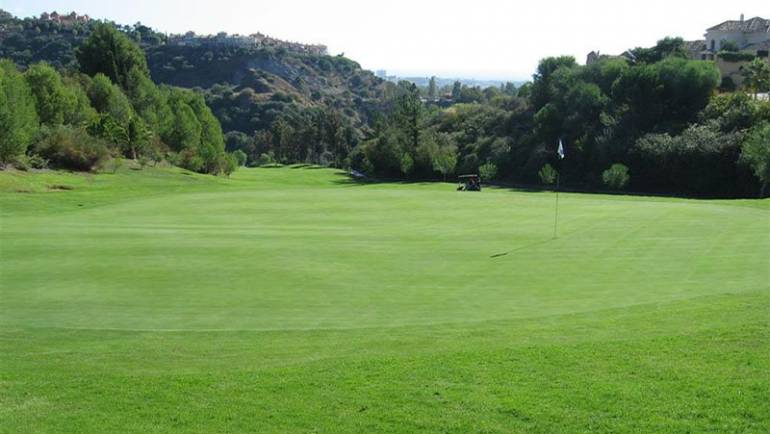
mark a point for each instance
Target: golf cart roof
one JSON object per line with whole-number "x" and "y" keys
{"x": 468, "y": 176}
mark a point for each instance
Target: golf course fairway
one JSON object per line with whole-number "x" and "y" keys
{"x": 296, "y": 300}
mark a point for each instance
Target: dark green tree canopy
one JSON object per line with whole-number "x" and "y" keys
{"x": 111, "y": 53}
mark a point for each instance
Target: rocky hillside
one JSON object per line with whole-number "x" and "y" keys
{"x": 249, "y": 87}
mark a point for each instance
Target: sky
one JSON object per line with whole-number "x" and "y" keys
{"x": 481, "y": 39}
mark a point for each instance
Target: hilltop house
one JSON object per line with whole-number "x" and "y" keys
{"x": 749, "y": 38}
{"x": 66, "y": 20}
{"x": 258, "y": 40}
{"x": 752, "y": 35}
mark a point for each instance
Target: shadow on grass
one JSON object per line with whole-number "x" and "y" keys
{"x": 348, "y": 179}
{"x": 351, "y": 180}
{"x": 522, "y": 247}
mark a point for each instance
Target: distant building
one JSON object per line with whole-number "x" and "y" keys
{"x": 695, "y": 49}
{"x": 239, "y": 41}
{"x": 381, "y": 73}
{"x": 66, "y": 20}
{"x": 595, "y": 56}
{"x": 747, "y": 35}
{"x": 750, "y": 36}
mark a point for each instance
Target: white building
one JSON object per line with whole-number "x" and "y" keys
{"x": 752, "y": 35}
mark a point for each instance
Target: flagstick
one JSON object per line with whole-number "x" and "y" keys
{"x": 556, "y": 214}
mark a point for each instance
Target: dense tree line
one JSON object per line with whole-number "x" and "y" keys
{"x": 111, "y": 107}
{"x": 657, "y": 124}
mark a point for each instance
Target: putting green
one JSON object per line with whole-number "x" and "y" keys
{"x": 159, "y": 272}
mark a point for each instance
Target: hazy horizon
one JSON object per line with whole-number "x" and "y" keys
{"x": 487, "y": 41}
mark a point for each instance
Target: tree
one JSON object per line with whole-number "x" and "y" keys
{"x": 666, "y": 95}
{"x": 108, "y": 99}
{"x": 509, "y": 88}
{"x": 616, "y": 177}
{"x": 148, "y": 101}
{"x": 756, "y": 76}
{"x": 185, "y": 131}
{"x": 445, "y": 160}
{"x": 407, "y": 116}
{"x": 212, "y": 141}
{"x": 457, "y": 89}
{"x": 755, "y": 152}
{"x": 18, "y": 119}
{"x": 52, "y": 100}
{"x": 407, "y": 164}
{"x": 111, "y": 53}
{"x": 432, "y": 89}
{"x": 666, "y": 47}
{"x": 541, "y": 91}
{"x": 139, "y": 136}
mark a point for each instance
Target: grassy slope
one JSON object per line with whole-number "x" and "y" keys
{"x": 292, "y": 300}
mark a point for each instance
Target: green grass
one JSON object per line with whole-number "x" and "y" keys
{"x": 292, "y": 300}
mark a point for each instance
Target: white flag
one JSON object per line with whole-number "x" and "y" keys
{"x": 560, "y": 151}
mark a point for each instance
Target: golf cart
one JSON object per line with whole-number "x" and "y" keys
{"x": 469, "y": 183}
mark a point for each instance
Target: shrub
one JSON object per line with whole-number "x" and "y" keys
{"x": 755, "y": 152}
{"x": 240, "y": 157}
{"x": 26, "y": 162}
{"x": 616, "y": 176}
{"x": 266, "y": 159}
{"x": 730, "y": 56}
{"x": 548, "y": 174}
{"x": 229, "y": 164}
{"x": 488, "y": 171}
{"x": 143, "y": 161}
{"x": 116, "y": 164}
{"x": 189, "y": 160}
{"x": 71, "y": 148}
{"x": 728, "y": 85}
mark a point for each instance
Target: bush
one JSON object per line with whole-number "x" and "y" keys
{"x": 226, "y": 164}
{"x": 488, "y": 171}
{"x": 727, "y": 85}
{"x": 266, "y": 159}
{"x": 548, "y": 174}
{"x": 755, "y": 152}
{"x": 730, "y": 56}
{"x": 26, "y": 162}
{"x": 240, "y": 157}
{"x": 616, "y": 177}
{"x": 72, "y": 148}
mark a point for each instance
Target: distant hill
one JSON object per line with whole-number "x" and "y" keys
{"x": 249, "y": 86}
{"x": 448, "y": 82}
